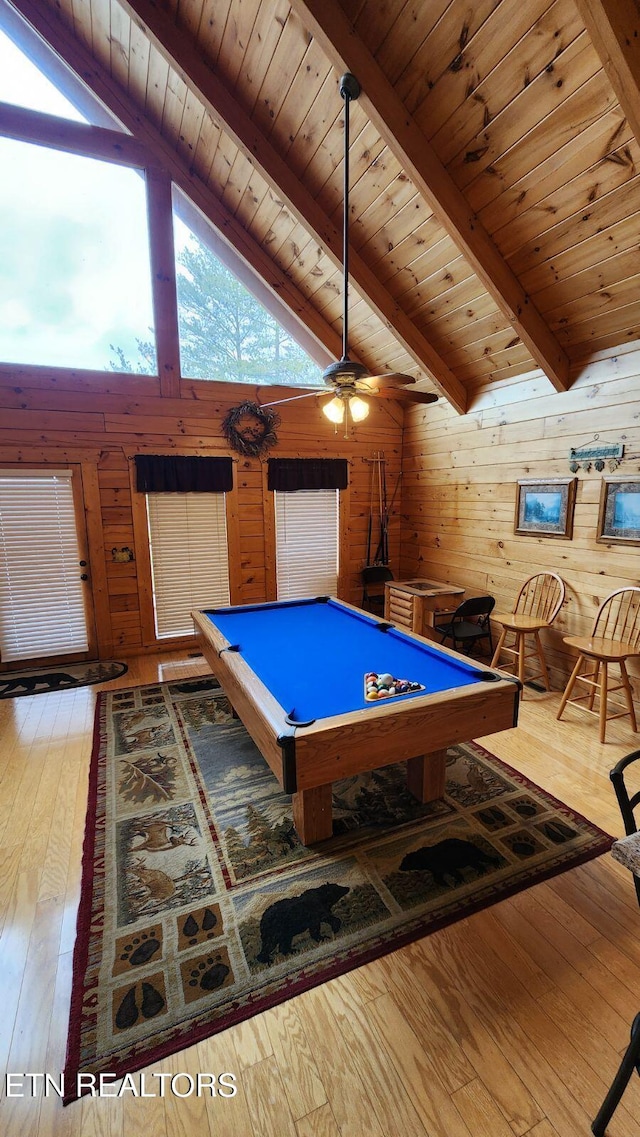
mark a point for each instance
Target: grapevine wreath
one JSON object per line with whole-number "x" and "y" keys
{"x": 250, "y": 429}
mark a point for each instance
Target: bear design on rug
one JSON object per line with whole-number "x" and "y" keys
{"x": 447, "y": 858}
{"x": 29, "y": 682}
{"x": 293, "y": 915}
{"x": 196, "y": 686}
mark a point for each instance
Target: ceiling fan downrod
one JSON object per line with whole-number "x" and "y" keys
{"x": 349, "y": 89}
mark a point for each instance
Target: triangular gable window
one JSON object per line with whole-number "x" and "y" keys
{"x": 24, "y": 85}
{"x": 226, "y": 333}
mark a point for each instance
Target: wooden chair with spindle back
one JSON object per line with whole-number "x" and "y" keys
{"x": 615, "y": 638}
{"x": 538, "y": 603}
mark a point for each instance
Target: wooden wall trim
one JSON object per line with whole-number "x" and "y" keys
{"x": 268, "y": 512}
{"x": 98, "y": 576}
{"x": 143, "y": 558}
{"x": 232, "y": 505}
{"x": 344, "y": 543}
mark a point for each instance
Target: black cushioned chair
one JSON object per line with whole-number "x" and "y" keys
{"x": 630, "y": 1062}
{"x": 373, "y": 580}
{"x": 470, "y": 622}
{"x": 631, "y": 1059}
{"x": 627, "y": 802}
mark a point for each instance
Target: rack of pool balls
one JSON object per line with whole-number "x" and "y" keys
{"x": 384, "y": 686}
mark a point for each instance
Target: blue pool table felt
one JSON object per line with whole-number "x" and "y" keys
{"x": 312, "y": 656}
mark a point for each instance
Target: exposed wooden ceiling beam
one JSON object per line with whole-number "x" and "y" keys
{"x": 614, "y": 29}
{"x": 236, "y": 247}
{"x": 329, "y": 25}
{"x": 179, "y": 51}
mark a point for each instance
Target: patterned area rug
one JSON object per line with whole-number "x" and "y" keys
{"x": 200, "y": 907}
{"x": 14, "y": 683}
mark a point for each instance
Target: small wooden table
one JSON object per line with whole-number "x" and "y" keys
{"x": 415, "y": 604}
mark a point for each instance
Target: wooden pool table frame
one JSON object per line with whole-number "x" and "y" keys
{"x": 306, "y": 760}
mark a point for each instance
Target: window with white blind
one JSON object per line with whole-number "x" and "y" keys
{"x": 306, "y": 543}
{"x": 189, "y": 557}
{"x": 42, "y": 611}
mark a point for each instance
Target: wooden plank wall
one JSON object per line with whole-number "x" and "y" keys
{"x": 459, "y": 490}
{"x": 102, "y": 421}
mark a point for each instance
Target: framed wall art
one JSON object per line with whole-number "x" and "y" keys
{"x": 619, "y": 519}
{"x": 545, "y": 508}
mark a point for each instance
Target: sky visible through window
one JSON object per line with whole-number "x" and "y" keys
{"x": 24, "y": 85}
{"x": 74, "y": 258}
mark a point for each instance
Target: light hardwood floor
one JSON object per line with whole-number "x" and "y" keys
{"x": 510, "y": 1022}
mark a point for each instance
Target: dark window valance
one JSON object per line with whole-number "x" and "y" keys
{"x": 160, "y": 473}
{"x": 308, "y": 474}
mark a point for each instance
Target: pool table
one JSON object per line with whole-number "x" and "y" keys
{"x": 294, "y": 672}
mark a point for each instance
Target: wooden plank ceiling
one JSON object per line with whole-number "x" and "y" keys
{"x": 495, "y": 193}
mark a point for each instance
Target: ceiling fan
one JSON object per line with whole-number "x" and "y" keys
{"x": 346, "y": 378}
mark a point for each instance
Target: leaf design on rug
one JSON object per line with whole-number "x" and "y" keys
{"x": 149, "y": 777}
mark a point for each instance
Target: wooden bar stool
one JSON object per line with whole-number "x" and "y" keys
{"x": 615, "y": 637}
{"x": 539, "y": 601}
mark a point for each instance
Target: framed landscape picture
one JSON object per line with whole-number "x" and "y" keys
{"x": 545, "y": 508}
{"x": 619, "y": 520}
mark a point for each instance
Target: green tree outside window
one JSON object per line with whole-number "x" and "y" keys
{"x": 225, "y": 333}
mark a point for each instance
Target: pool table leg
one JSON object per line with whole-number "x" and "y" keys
{"x": 426, "y": 775}
{"x": 312, "y": 814}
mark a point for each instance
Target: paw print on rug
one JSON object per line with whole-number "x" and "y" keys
{"x": 524, "y": 844}
{"x": 199, "y": 926}
{"x": 137, "y": 948}
{"x": 144, "y": 1000}
{"x": 526, "y": 807}
{"x": 203, "y": 974}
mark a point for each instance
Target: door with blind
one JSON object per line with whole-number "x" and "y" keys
{"x": 307, "y": 543}
{"x": 46, "y": 610}
{"x": 189, "y": 557}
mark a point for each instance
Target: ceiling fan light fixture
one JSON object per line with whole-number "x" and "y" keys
{"x": 334, "y": 410}
{"x": 358, "y": 409}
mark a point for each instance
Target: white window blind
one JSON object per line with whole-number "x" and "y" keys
{"x": 42, "y": 609}
{"x": 189, "y": 559}
{"x": 306, "y": 543}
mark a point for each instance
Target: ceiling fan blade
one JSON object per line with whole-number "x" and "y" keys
{"x": 390, "y": 379}
{"x": 415, "y": 396}
{"x": 399, "y": 393}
